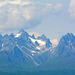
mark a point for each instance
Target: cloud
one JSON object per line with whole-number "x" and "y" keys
{"x": 17, "y": 14}
{"x": 58, "y": 7}
{"x": 15, "y": 2}
{"x": 36, "y": 34}
{"x": 72, "y": 8}
{"x": 2, "y": 3}
{"x": 54, "y": 41}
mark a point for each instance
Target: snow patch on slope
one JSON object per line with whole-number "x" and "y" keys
{"x": 33, "y": 51}
{"x": 2, "y": 45}
{"x": 39, "y": 41}
{"x": 39, "y": 48}
{"x": 17, "y": 35}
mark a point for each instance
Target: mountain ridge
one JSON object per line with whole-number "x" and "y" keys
{"x": 25, "y": 51}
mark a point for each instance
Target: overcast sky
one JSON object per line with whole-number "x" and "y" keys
{"x": 53, "y": 18}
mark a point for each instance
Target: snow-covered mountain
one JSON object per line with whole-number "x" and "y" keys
{"x": 22, "y": 48}
{"x": 24, "y": 51}
{"x": 41, "y": 43}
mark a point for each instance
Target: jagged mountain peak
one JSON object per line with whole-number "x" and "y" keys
{"x": 0, "y": 35}
{"x": 6, "y": 35}
{"x": 21, "y": 30}
{"x": 12, "y": 35}
{"x": 48, "y": 43}
{"x": 69, "y": 37}
{"x": 22, "y": 34}
{"x": 70, "y": 34}
{"x": 43, "y": 37}
{"x": 66, "y": 45}
{"x": 33, "y": 36}
{"x": 31, "y": 50}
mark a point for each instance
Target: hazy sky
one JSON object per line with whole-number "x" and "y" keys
{"x": 53, "y": 18}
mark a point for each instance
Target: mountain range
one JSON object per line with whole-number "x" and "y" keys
{"x": 22, "y": 51}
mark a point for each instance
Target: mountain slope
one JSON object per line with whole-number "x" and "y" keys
{"x": 20, "y": 50}
{"x": 66, "y": 45}
{"x": 63, "y": 55}
{"x": 23, "y": 51}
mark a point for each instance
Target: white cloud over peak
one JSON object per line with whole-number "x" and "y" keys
{"x": 19, "y": 14}
{"x": 15, "y": 2}
{"x": 72, "y": 8}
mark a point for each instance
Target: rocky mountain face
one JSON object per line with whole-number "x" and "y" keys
{"x": 23, "y": 51}
{"x": 62, "y": 56}
{"x": 66, "y": 45}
